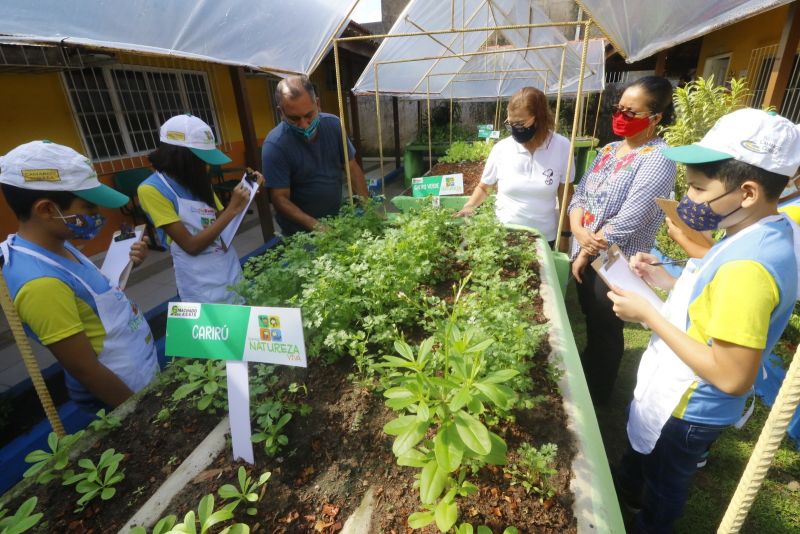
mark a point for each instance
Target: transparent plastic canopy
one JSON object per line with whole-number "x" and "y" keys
{"x": 281, "y": 37}
{"x": 640, "y": 28}
{"x": 477, "y": 64}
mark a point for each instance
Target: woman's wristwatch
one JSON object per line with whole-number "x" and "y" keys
{"x": 566, "y": 233}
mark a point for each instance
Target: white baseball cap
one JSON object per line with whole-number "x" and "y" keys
{"x": 194, "y": 134}
{"x": 47, "y": 166}
{"x": 762, "y": 139}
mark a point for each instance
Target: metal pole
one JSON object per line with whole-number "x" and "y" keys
{"x": 341, "y": 118}
{"x": 575, "y": 119}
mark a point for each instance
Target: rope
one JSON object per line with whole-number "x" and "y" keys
{"x": 28, "y": 358}
{"x": 768, "y": 442}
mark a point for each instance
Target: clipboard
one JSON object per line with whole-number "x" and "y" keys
{"x": 615, "y": 271}
{"x": 229, "y": 232}
{"x": 669, "y": 207}
{"x": 117, "y": 264}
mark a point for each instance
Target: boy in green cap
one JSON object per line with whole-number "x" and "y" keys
{"x": 99, "y": 337}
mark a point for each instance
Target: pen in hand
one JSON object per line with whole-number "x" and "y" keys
{"x": 669, "y": 262}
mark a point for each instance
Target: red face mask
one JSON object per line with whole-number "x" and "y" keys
{"x": 625, "y": 127}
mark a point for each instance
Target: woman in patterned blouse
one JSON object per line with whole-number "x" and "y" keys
{"x": 614, "y": 203}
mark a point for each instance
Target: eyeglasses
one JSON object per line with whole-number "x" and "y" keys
{"x": 628, "y": 113}
{"x": 510, "y": 125}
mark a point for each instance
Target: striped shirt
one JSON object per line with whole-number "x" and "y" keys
{"x": 618, "y": 195}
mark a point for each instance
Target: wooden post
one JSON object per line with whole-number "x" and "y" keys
{"x": 396, "y": 118}
{"x": 784, "y": 60}
{"x": 355, "y": 124}
{"x": 661, "y": 63}
{"x": 252, "y": 154}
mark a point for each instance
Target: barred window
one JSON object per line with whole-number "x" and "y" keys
{"x": 119, "y": 109}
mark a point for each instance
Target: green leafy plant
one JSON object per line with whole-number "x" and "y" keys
{"x": 97, "y": 479}
{"x": 162, "y": 526}
{"x": 534, "y": 468}
{"x": 22, "y": 520}
{"x": 447, "y": 391}
{"x": 105, "y": 421}
{"x": 465, "y": 151}
{"x": 271, "y": 433}
{"x": 46, "y": 465}
{"x": 205, "y": 380}
{"x": 248, "y": 491}
{"x": 206, "y": 518}
{"x": 466, "y": 528}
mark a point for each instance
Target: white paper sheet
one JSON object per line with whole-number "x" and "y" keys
{"x": 239, "y": 410}
{"x": 117, "y": 264}
{"x": 229, "y": 232}
{"x": 619, "y": 274}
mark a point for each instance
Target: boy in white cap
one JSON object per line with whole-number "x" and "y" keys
{"x": 98, "y": 336}
{"x": 723, "y": 316}
{"x": 179, "y": 200}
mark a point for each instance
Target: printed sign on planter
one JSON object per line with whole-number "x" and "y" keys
{"x": 237, "y": 334}
{"x": 230, "y": 332}
{"x": 485, "y": 130}
{"x": 448, "y": 184}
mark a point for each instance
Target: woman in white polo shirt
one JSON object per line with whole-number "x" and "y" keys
{"x": 529, "y": 168}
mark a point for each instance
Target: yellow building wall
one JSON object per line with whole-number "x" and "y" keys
{"x": 740, "y": 39}
{"x": 35, "y": 106}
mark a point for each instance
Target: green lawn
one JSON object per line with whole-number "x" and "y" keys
{"x": 777, "y": 506}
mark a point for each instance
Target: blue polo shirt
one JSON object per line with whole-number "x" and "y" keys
{"x": 312, "y": 170}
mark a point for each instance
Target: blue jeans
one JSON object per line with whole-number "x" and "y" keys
{"x": 662, "y": 477}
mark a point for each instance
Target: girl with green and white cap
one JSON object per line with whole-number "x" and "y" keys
{"x": 179, "y": 200}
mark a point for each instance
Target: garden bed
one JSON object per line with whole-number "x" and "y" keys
{"x": 472, "y": 171}
{"x": 329, "y": 422}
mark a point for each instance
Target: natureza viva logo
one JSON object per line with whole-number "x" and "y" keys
{"x": 270, "y": 338}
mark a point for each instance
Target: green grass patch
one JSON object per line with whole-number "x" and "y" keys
{"x": 777, "y": 506}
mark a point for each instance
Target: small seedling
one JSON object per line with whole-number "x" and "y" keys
{"x": 271, "y": 435}
{"x": 47, "y": 464}
{"x": 247, "y": 492}
{"x": 206, "y": 379}
{"x": 207, "y": 518}
{"x": 105, "y": 421}
{"x": 97, "y": 479}
{"x": 534, "y": 468}
{"x": 22, "y": 520}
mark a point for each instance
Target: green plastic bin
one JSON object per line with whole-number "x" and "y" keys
{"x": 414, "y": 158}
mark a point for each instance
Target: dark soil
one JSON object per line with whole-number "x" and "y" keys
{"x": 334, "y": 455}
{"x": 152, "y": 452}
{"x": 340, "y": 450}
{"x": 472, "y": 171}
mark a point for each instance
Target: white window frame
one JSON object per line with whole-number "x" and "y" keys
{"x": 119, "y": 110}
{"x": 707, "y": 66}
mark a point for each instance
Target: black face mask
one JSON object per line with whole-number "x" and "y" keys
{"x": 522, "y": 135}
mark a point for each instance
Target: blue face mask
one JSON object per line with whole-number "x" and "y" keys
{"x": 83, "y": 226}
{"x": 699, "y": 215}
{"x": 307, "y": 132}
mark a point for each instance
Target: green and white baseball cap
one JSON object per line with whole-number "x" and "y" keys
{"x": 194, "y": 134}
{"x": 762, "y": 139}
{"x": 46, "y": 166}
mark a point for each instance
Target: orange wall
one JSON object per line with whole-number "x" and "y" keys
{"x": 740, "y": 39}
{"x": 35, "y": 106}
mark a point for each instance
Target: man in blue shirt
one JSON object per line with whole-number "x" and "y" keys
{"x": 303, "y": 159}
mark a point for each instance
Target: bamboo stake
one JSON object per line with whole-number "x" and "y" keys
{"x": 767, "y": 445}
{"x": 575, "y": 119}
{"x": 380, "y": 132}
{"x": 337, "y": 66}
{"x": 29, "y": 359}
